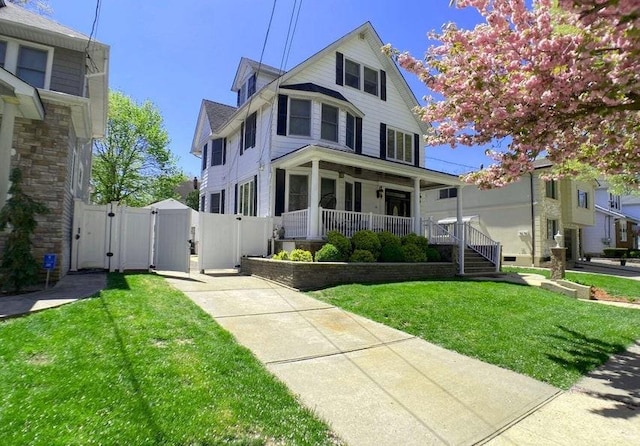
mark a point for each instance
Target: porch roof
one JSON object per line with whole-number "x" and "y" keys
{"x": 429, "y": 179}
{"x": 23, "y": 95}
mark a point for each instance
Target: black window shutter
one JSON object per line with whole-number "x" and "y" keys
{"x": 238, "y": 99}
{"x": 357, "y": 205}
{"x": 282, "y": 114}
{"x": 280, "y": 186}
{"x": 222, "y": 202}
{"x": 339, "y": 69}
{"x": 235, "y": 202}
{"x": 358, "y": 135}
{"x": 383, "y": 141}
{"x": 255, "y": 194}
{"x": 224, "y": 152}
{"x": 241, "y": 138}
{"x": 416, "y": 150}
{"x": 204, "y": 157}
{"x": 383, "y": 85}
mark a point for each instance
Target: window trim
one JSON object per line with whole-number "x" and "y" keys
{"x": 404, "y": 134}
{"x": 12, "y": 54}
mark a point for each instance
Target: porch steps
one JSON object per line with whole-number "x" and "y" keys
{"x": 475, "y": 264}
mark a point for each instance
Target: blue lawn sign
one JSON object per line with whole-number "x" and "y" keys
{"x": 49, "y": 261}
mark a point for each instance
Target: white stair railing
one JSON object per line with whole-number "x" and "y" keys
{"x": 483, "y": 245}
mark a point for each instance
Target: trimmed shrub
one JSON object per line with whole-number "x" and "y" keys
{"x": 433, "y": 255}
{"x": 392, "y": 253}
{"x": 418, "y": 240}
{"x": 328, "y": 253}
{"x": 341, "y": 242}
{"x": 615, "y": 253}
{"x": 282, "y": 255}
{"x": 368, "y": 241}
{"x": 413, "y": 253}
{"x": 300, "y": 255}
{"x": 388, "y": 239}
{"x": 362, "y": 255}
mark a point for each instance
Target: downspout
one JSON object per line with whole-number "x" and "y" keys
{"x": 533, "y": 226}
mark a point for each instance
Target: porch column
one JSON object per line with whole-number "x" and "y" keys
{"x": 313, "y": 226}
{"x": 6, "y": 143}
{"x": 417, "y": 215}
{"x": 460, "y": 232}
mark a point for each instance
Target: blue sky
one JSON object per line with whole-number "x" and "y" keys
{"x": 177, "y": 53}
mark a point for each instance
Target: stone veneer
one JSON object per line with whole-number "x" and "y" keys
{"x": 316, "y": 275}
{"x": 42, "y": 152}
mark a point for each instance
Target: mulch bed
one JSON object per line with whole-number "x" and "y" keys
{"x": 600, "y": 294}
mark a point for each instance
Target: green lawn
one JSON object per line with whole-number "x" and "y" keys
{"x": 541, "y": 334}
{"x": 140, "y": 365}
{"x": 615, "y": 286}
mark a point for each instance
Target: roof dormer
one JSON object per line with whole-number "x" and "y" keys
{"x": 250, "y": 77}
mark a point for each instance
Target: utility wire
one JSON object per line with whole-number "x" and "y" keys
{"x": 94, "y": 31}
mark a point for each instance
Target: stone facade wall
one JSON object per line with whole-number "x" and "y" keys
{"x": 42, "y": 153}
{"x": 310, "y": 276}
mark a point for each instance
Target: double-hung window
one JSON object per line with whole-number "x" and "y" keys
{"x": 300, "y": 117}
{"x": 329, "y": 129}
{"x": 551, "y": 189}
{"x": 216, "y": 203}
{"x": 217, "y": 151}
{"x": 399, "y": 146}
{"x": 250, "y": 128}
{"x": 32, "y": 66}
{"x": 352, "y": 74}
{"x": 371, "y": 81}
{"x": 298, "y": 192}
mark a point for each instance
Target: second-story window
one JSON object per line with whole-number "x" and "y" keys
{"x": 218, "y": 147}
{"x": 551, "y": 189}
{"x": 583, "y": 199}
{"x": 300, "y": 117}
{"x": 614, "y": 201}
{"x": 32, "y": 66}
{"x": 251, "y": 85}
{"x": 399, "y": 146}
{"x": 371, "y": 81}
{"x": 329, "y": 129}
{"x": 250, "y": 128}
{"x": 352, "y": 74}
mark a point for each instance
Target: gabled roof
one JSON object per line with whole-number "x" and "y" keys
{"x": 255, "y": 67}
{"x": 613, "y": 213}
{"x": 217, "y": 113}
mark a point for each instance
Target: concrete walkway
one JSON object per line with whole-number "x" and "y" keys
{"x": 373, "y": 384}
{"x": 69, "y": 289}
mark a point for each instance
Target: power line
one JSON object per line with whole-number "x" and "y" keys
{"x": 94, "y": 31}
{"x": 450, "y": 162}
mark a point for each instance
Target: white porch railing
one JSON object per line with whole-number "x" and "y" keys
{"x": 295, "y": 223}
{"x": 349, "y": 222}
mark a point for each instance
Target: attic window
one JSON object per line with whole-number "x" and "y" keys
{"x": 352, "y": 74}
{"x": 371, "y": 81}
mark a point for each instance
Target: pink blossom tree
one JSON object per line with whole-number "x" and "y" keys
{"x": 560, "y": 79}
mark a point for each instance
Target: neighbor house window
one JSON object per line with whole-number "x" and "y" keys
{"x": 371, "y": 81}
{"x": 551, "y": 189}
{"x": 298, "y": 192}
{"x": 250, "y": 128}
{"x": 3, "y": 52}
{"x": 300, "y": 117}
{"x": 352, "y": 74}
{"x": 583, "y": 199}
{"x": 399, "y": 146}
{"x": 450, "y": 192}
{"x": 623, "y": 231}
{"x": 215, "y": 203}
{"x": 32, "y": 66}
{"x": 552, "y": 228}
{"x": 329, "y": 129}
{"x": 246, "y": 198}
{"x": 614, "y": 201}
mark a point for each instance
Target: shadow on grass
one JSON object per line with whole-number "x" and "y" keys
{"x": 118, "y": 280}
{"x": 611, "y": 378}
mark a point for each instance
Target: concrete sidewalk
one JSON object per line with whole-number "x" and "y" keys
{"x": 70, "y": 288}
{"x": 371, "y": 383}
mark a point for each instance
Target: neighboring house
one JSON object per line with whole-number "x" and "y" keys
{"x": 615, "y": 226}
{"x": 53, "y": 103}
{"x": 523, "y": 216}
{"x": 332, "y": 143}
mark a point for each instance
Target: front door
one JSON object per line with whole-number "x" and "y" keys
{"x": 397, "y": 203}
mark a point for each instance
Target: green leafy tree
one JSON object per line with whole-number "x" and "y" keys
{"x": 133, "y": 165}
{"x": 193, "y": 200}
{"x": 19, "y": 268}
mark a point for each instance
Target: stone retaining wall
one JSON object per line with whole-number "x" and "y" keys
{"x": 313, "y": 276}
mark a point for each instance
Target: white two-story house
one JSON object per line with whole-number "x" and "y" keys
{"x": 332, "y": 143}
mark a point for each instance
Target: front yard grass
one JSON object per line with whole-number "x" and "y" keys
{"x": 541, "y": 334}
{"x": 615, "y": 286}
{"x": 140, "y": 365}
